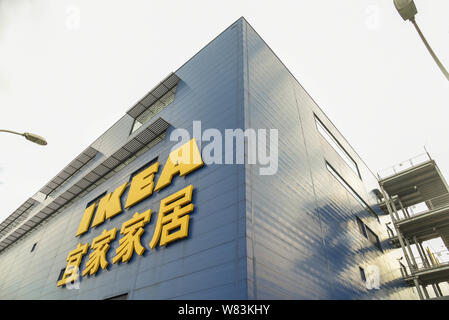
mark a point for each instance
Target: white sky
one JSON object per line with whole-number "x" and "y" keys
{"x": 70, "y": 69}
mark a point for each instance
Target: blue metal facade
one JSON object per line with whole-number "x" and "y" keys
{"x": 302, "y": 235}
{"x": 292, "y": 235}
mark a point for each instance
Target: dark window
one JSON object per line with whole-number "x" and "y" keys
{"x": 361, "y": 227}
{"x": 156, "y": 107}
{"x": 328, "y": 136}
{"x": 33, "y": 247}
{"x": 61, "y": 274}
{"x": 123, "y": 296}
{"x": 362, "y": 274}
{"x": 350, "y": 190}
{"x": 373, "y": 238}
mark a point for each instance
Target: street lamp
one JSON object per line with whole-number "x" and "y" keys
{"x": 407, "y": 10}
{"x": 29, "y": 136}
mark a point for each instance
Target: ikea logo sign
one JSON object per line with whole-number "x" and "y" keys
{"x": 172, "y": 220}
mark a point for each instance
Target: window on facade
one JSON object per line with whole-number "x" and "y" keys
{"x": 361, "y": 226}
{"x": 362, "y": 274}
{"x": 61, "y": 274}
{"x": 154, "y": 109}
{"x": 369, "y": 234}
{"x": 373, "y": 238}
{"x": 119, "y": 297}
{"x": 325, "y": 133}
{"x": 350, "y": 190}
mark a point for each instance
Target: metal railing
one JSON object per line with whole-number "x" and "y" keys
{"x": 426, "y": 207}
{"x": 390, "y": 232}
{"x": 404, "y": 165}
{"x": 403, "y": 269}
{"x": 432, "y": 261}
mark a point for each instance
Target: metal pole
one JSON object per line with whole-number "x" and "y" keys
{"x": 394, "y": 208}
{"x": 404, "y": 274}
{"x": 387, "y": 203}
{"x": 430, "y": 158}
{"x": 390, "y": 232}
{"x": 411, "y": 253}
{"x": 421, "y": 254}
{"x": 434, "y": 286}
{"x": 407, "y": 212}
{"x": 13, "y": 132}
{"x": 424, "y": 253}
{"x": 404, "y": 212}
{"x": 401, "y": 241}
{"x": 425, "y": 292}
{"x": 415, "y": 281}
{"x": 439, "y": 289}
{"x": 434, "y": 56}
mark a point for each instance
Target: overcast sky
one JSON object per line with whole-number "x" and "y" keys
{"x": 70, "y": 69}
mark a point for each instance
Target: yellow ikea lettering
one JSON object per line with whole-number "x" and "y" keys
{"x": 183, "y": 160}
{"x": 141, "y": 185}
{"x": 172, "y": 223}
{"x": 85, "y": 221}
{"x": 109, "y": 205}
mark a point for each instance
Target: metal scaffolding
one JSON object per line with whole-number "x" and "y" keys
{"x": 417, "y": 183}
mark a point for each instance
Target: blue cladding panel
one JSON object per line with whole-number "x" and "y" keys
{"x": 289, "y": 235}
{"x": 302, "y": 234}
{"x": 211, "y": 262}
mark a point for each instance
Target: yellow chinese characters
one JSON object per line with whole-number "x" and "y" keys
{"x": 100, "y": 247}
{"x": 172, "y": 222}
{"x": 71, "y": 273}
{"x": 173, "y": 216}
{"x": 130, "y": 242}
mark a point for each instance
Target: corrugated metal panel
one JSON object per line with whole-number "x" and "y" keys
{"x": 19, "y": 213}
{"x": 69, "y": 170}
{"x": 158, "y": 91}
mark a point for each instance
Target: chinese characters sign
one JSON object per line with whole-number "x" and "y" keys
{"x": 172, "y": 218}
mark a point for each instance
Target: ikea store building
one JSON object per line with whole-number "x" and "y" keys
{"x": 130, "y": 219}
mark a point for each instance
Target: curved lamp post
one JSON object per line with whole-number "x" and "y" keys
{"x": 407, "y": 10}
{"x": 29, "y": 136}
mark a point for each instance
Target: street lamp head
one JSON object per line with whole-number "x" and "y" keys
{"x": 406, "y": 9}
{"x": 35, "y": 138}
